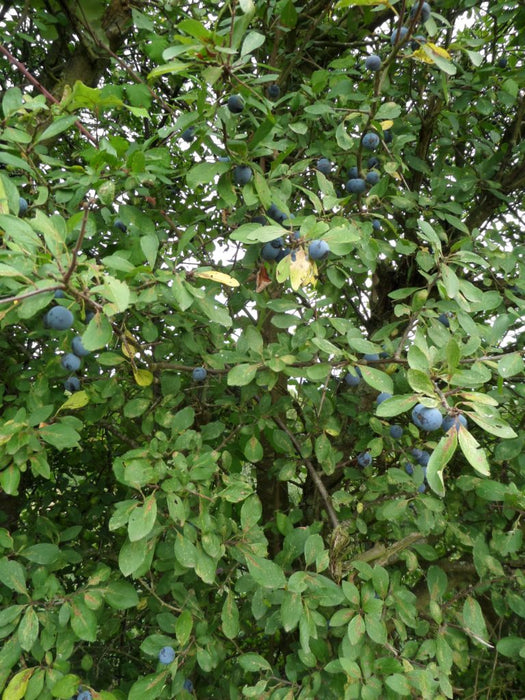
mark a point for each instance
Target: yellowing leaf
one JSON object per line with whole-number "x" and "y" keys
{"x": 18, "y": 685}
{"x": 217, "y": 276}
{"x": 4, "y": 206}
{"x": 282, "y": 271}
{"x": 349, "y": 3}
{"x": 143, "y": 377}
{"x": 76, "y": 400}
{"x": 430, "y": 53}
{"x": 129, "y": 345}
{"x": 387, "y": 124}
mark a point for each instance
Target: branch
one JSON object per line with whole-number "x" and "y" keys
{"x": 313, "y": 473}
{"x": 31, "y": 78}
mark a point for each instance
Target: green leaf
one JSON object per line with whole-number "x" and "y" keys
{"x": 204, "y": 173}
{"x": 57, "y": 127}
{"x": 511, "y": 647}
{"x": 453, "y": 355}
{"x": 117, "y": 293}
{"x": 510, "y": 365}
{"x": 388, "y": 110}
{"x": 121, "y": 595}
{"x": 20, "y": 234}
{"x": 251, "y": 42}
{"x": 43, "y": 553}
{"x": 494, "y": 425}
{"x": 183, "y": 627}
{"x": 265, "y": 572}
{"x": 473, "y": 620}
{"x": 242, "y": 374}
{"x": 420, "y": 381}
{"x": 427, "y": 233}
{"x": 326, "y": 346}
{"x": 253, "y": 662}
{"x": 376, "y": 629}
{"x": 77, "y": 400}
{"x": 11, "y": 100}
{"x": 60, "y": 435}
{"x": 476, "y": 58}
{"x": 150, "y": 247}
{"x": 12, "y": 575}
{"x": 344, "y": 140}
{"x": 230, "y": 617}
{"x": 251, "y": 512}
{"x": 291, "y": 610}
{"x": 474, "y": 454}
{"x": 257, "y": 233}
{"x": 10, "y": 480}
{"x": 356, "y": 629}
{"x": 8, "y": 615}
{"x": 236, "y": 491}
{"x": 399, "y": 684}
{"x": 319, "y": 372}
{"x": 341, "y": 617}
{"x": 148, "y": 687}
{"x": 396, "y": 405}
{"x": 450, "y": 281}
{"x": 492, "y": 490}
{"x": 313, "y": 548}
{"x": 53, "y": 229}
{"x": 417, "y": 359}
{"x": 142, "y": 519}
{"x": 377, "y": 379}
{"x": 28, "y": 629}
{"x": 437, "y": 582}
{"x": 83, "y": 620}
{"x": 183, "y": 419}
{"x": 380, "y": 580}
{"x": 194, "y": 28}
{"x": 167, "y": 69}
{"x": 98, "y": 333}
{"x": 66, "y": 686}
{"x": 253, "y": 450}
{"x": 131, "y": 556}
{"x": 440, "y": 457}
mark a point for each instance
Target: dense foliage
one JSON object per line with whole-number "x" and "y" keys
{"x": 261, "y": 346}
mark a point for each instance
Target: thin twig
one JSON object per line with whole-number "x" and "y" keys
{"x": 78, "y": 244}
{"x": 26, "y": 295}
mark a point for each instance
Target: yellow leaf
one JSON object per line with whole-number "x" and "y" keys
{"x": 143, "y": 377}
{"x": 428, "y": 51}
{"x": 217, "y": 276}
{"x": 439, "y": 50}
{"x": 129, "y": 345}
{"x": 303, "y": 271}
{"x": 420, "y": 55}
{"x": 76, "y": 400}
{"x": 387, "y": 124}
